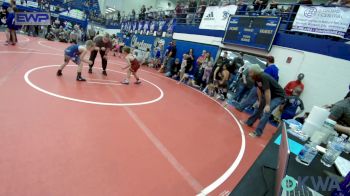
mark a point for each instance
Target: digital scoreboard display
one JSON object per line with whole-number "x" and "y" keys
{"x": 251, "y": 31}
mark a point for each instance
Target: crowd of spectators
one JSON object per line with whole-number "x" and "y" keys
{"x": 248, "y": 87}
{"x": 192, "y": 11}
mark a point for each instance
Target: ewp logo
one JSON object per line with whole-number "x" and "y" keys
{"x": 318, "y": 183}
{"x": 33, "y": 18}
{"x": 310, "y": 12}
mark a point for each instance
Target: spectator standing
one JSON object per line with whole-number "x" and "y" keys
{"x": 289, "y": 88}
{"x": 270, "y": 9}
{"x": 179, "y": 13}
{"x": 242, "y": 7}
{"x": 171, "y": 56}
{"x": 200, "y": 66}
{"x": 11, "y": 37}
{"x": 201, "y": 58}
{"x": 142, "y": 13}
{"x": 208, "y": 68}
{"x": 201, "y": 10}
{"x": 222, "y": 78}
{"x": 272, "y": 68}
{"x": 191, "y": 11}
{"x": 270, "y": 96}
{"x": 133, "y": 15}
{"x": 233, "y": 67}
{"x": 259, "y": 5}
{"x": 246, "y": 83}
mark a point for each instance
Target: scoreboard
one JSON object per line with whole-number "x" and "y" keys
{"x": 251, "y": 31}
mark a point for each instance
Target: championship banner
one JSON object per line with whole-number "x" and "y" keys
{"x": 319, "y": 20}
{"x": 216, "y": 17}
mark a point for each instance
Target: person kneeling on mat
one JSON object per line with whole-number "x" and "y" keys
{"x": 76, "y": 53}
{"x": 133, "y": 66}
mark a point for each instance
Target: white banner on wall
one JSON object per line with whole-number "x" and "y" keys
{"x": 332, "y": 21}
{"x": 216, "y": 17}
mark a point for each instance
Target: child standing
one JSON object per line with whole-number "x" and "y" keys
{"x": 183, "y": 65}
{"x": 208, "y": 68}
{"x": 76, "y": 53}
{"x": 133, "y": 66}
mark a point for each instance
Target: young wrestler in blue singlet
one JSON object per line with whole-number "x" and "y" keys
{"x": 76, "y": 53}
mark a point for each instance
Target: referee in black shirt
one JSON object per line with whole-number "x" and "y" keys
{"x": 103, "y": 45}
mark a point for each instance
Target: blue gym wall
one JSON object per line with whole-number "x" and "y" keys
{"x": 307, "y": 43}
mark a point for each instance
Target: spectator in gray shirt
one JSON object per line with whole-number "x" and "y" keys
{"x": 340, "y": 112}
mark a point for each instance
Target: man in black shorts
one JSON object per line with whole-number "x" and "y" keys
{"x": 103, "y": 45}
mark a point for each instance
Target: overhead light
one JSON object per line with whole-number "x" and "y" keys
{"x": 111, "y": 9}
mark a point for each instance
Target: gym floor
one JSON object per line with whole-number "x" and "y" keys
{"x": 63, "y": 137}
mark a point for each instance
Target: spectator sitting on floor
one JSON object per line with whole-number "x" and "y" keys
{"x": 175, "y": 70}
{"x": 289, "y": 88}
{"x": 272, "y": 68}
{"x": 340, "y": 112}
{"x": 270, "y": 96}
{"x": 290, "y": 108}
{"x": 187, "y": 68}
